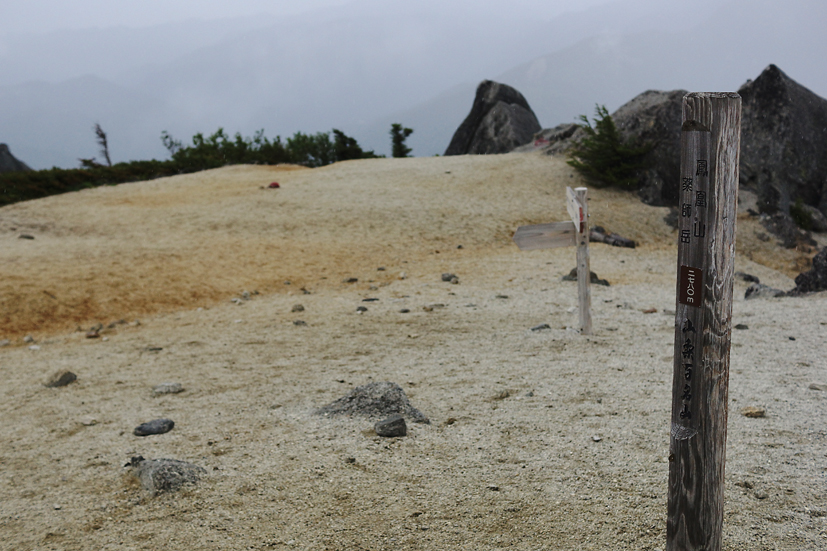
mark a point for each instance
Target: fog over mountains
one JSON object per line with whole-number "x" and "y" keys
{"x": 362, "y": 65}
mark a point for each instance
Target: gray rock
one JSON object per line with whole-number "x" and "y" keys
{"x": 818, "y": 386}
{"x": 167, "y": 388}
{"x": 61, "y": 378}
{"x": 500, "y": 120}
{"x": 165, "y": 475}
{"x": 393, "y": 426}
{"x": 572, "y": 276}
{"x": 749, "y": 278}
{"x": 8, "y": 163}
{"x": 759, "y": 290}
{"x": 448, "y": 277}
{"x": 361, "y": 309}
{"x": 783, "y": 140}
{"x": 541, "y": 327}
{"x": 374, "y": 400}
{"x": 742, "y": 326}
{"x": 156, "y": 426}
{"x": 300, "y": 323}
{"x": 28, "y": 339}
{"x": 817, "y": 219}
{"x": 551, "y": 140}
{"x": 815, "y": 279}
{"x": 4, "y": 342}
{"x": 784, "y": 228}
{"x": 297, "y": 308}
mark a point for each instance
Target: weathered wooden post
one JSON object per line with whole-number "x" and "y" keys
{"x": 710, "y": 141}
{"x": 580, "y": 208}
{"x": 567, "y": 234}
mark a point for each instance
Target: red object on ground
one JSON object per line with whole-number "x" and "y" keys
{"x": 274, "y": 185}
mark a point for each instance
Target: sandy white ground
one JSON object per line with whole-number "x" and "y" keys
{"x": 510, "y": 459}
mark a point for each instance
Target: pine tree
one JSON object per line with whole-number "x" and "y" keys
{"x": 603, "y": 158}
{"x": 398, "y": 137}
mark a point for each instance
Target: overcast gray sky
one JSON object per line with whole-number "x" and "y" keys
{"x": 49, "y": 15}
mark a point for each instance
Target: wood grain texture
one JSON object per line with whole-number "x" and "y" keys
{"x": 545, "y": 236}
{"x": 583, "y": 264}
{"x": 710, "y": 144}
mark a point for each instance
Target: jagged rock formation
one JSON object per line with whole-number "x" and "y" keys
{"x": 500, "y": 120}
{"x": 8, "y": 163}
{"x": 783, "y": 142}
{"x": 815, "y": 279}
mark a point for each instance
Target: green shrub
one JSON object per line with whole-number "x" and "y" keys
{"x": 398, "y": 137}
{"x": 213, "y": 151}
{"x": 802, "y": 218}
{"x": 603, "y": 158}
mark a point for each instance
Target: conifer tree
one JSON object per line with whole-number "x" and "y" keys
{"x": 603, "y": 158}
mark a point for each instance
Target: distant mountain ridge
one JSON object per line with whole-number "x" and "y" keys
{"x": 355, "y": 71}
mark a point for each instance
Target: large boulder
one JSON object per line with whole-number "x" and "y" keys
{"x": 655, "y": 117}
{"x": 783, "y": 142}
{"x": 500, "y": 120}
{"x": 815, "y": 279}
{"x": 8, "y": 163}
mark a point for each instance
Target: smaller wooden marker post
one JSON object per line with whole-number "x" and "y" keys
{"x": 567, "y": 234}
{"x": 710, "y": 141}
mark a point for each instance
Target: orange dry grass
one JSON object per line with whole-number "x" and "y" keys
{"x": 136, "y": 249}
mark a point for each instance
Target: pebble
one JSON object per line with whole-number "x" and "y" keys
{"x": 541, "y": 327}
{"x": 351, "y": 280}
{"x": 28, "y": 339}
{"x": 596, "y": 438}
{"x": 493, "y": 487}
{"x": 501, "y": 296}
{"x": 4, "y": 342}
{"x": 25, "y": 236}
{"x": 361, "y": 309}
{"x": 761, "y": 495}
{"x": 753, "y": 411}
{"x": 404, "y": 311}
{"x": 742, "y": 326}
{"x": 650, "y": 311}
{"x": 92, "y": 335}
{"x": 449, "y": 278}
{"x": 61, "y": 378}
{"x": 818, "y": 386}
{"x": 34, "y": 347}
{"x": 156, "y": 426}
{"x": 297, "y": 308}
{"x": 299, "y": 323}
{"x": 403, "y": 275}
{"x": 370, "y": 299}
{"x": 393, "y": 426}
{"x": 380, "y": 269}
{"x": 88, "y": 421}
{"x": 167, "y": 388}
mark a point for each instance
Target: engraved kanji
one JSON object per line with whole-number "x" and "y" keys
{"x": 688, "y": 349}
{"x": 685, "y": 236}
{"x": 686, "y": 184}
{"x": 686, "y": 210}
{"x": 688, "y": 327}
{"x": 700, "y": 198}
{"x": 687, "y": 393}
{"x": 702, "y": 168}
{"x": 686, "y": 414}
{"x": 700, "y": 229}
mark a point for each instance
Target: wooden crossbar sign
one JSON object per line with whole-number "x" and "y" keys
{"x": 566, "y": 234}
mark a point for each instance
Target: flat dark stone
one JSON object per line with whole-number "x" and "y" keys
{"x": 541, "y": 327}
{"x": 742, "y": 326}
{"x": 156, "y": 426}
{"x": 392, "y": 426}
{"x": 61, "y": 378}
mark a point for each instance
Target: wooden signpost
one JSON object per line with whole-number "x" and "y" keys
{"x": 566, "y": 234}
{"x": 710, "y": 140}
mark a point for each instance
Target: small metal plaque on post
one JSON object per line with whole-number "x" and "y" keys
{"x": 691, "y": 286}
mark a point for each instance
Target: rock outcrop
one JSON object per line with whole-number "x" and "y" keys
{"x": 8, "y": 163}
{"x": 783, "y": 142}
{"x": 815, "y": 279}
{"x": 500, "y": 120}
{"x": 655, "y": 117}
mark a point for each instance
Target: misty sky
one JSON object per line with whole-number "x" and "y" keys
{"x": 49, "y": 15}
{"x": 140, "y": 67}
